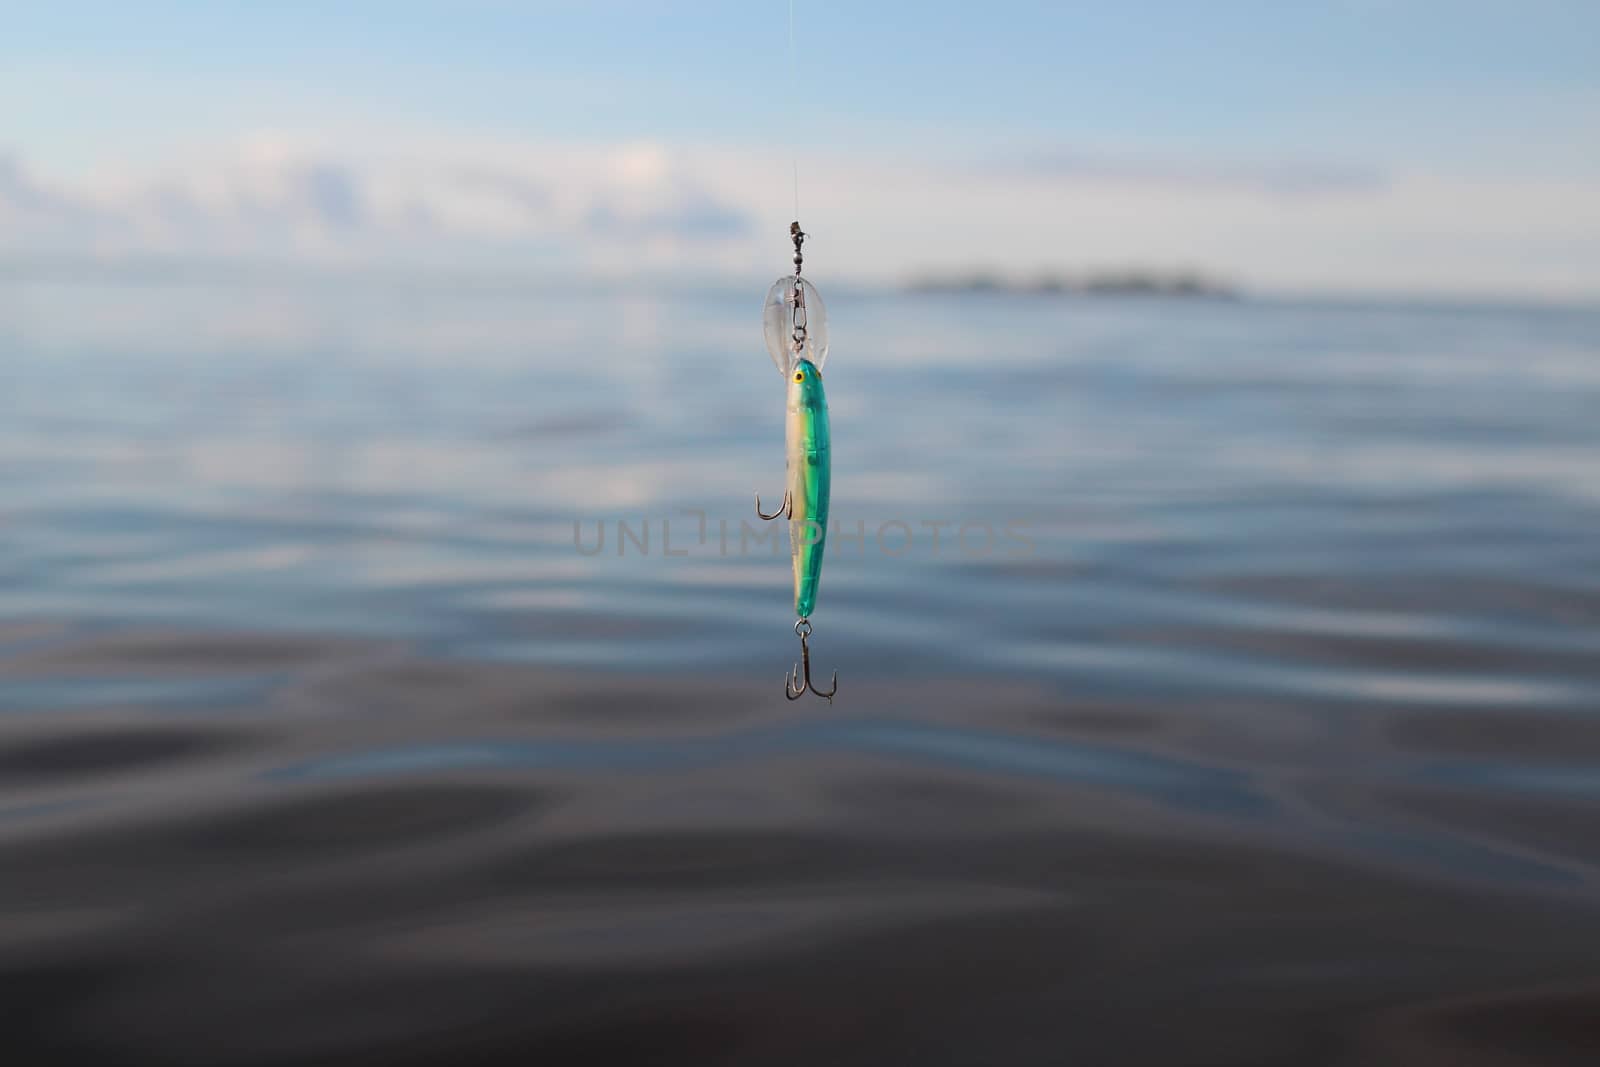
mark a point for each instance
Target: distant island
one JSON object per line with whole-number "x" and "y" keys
{"x": 1093, "y": 283}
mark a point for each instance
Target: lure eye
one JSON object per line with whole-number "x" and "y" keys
{"x": 800, "y": 376}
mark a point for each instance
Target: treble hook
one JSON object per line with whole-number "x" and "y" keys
{"x": 793, "y": 686}
{"x": 782, "y": 508}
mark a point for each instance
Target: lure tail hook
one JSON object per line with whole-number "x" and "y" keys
{"x": 795, "y": 685}
{"x": 785, "y": 508}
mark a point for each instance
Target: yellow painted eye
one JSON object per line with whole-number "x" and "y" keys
{"x": 800, "y": 376}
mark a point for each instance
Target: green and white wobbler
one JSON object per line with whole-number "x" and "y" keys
{"x": 796, "y": 327}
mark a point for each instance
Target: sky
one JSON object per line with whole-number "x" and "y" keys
{"x": 1364, "y": 146}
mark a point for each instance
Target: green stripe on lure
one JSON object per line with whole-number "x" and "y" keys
{"x": 796, "y": 329}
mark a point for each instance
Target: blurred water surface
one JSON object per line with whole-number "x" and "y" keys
{"x": 1269, "y": 733}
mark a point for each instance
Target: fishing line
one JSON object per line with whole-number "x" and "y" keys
{"x": 794, "y": 95}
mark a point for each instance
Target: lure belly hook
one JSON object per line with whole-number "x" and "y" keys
{"x": 795, "y": 685}
{"x": 796, "y": 330}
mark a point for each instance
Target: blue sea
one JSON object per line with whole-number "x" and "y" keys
{"x": 391, "y": 671}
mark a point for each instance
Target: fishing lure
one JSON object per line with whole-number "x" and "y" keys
{"x": 796, "y": 328}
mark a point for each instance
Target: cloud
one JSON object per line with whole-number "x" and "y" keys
{"x": 330, "y": 194}
{"x": 22, "y": 196}
{"x": 721, "y": 211}
{"x": 1281, "y": 178}
{"x": 694, "y": 215}
{"x": 274, "y": 196}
